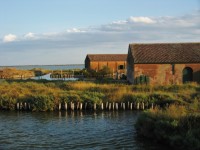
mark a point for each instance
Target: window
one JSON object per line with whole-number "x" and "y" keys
{"x": 120, "y": 67}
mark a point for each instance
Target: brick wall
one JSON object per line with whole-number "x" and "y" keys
{"x": 113, "y": 65}
{"x": 162, "y": 73}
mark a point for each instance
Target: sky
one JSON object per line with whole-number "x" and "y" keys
{"x": 45, "y": 32}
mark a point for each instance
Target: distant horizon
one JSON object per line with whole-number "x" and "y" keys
{"x": 44, "y": 65}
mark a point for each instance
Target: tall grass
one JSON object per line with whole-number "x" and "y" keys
{"x": 19, "y": 91}
{"x": 175, "y": 126}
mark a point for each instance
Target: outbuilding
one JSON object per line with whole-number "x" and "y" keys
{"x": 163, "y": 63}
{"x": 116, "y": 62}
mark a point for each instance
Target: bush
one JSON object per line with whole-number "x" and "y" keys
{"x": 7, "y": 103}
{"x": 132, "y": 97}
{"x": 42, "y": 102}
{"x": 174, "y": 126}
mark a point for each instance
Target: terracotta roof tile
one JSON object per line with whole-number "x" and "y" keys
{"x": 107, "y": 57}
{"x": 166, "y": 53}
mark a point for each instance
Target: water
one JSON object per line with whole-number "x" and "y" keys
{"x": 47, "y": 67}
{"x": 47, "y": 77}
{"x": 70, "y": 130}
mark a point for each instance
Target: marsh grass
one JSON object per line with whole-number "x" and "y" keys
{"x": 80, "y": 91}
{"x": 176, "y": 126}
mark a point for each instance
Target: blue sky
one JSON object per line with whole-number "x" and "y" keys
{"x": 64, "y": 31}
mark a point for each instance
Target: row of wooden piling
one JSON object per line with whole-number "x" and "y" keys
{"x": 61, "y": 76}
{"x": 23, "y": 106}
{"x": 94, "y": 106}
{"x": 106, "y": 106}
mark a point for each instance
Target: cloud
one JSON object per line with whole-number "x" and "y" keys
{"x": 75, "y": 30}
{"x": 29, "y": 35}
{"x": 146, "y": 20}
{"x": 120, "y": 22}
{"x": 72, "y": 45}
{"x": 9, "y": 38}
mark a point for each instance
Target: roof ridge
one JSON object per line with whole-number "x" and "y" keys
{"x": 106, "y": 54}
{"x": 107, "y": 57}
{"x": 157, "y": 43}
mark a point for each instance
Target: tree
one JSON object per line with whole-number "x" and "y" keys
{"x": 104, "y": 71}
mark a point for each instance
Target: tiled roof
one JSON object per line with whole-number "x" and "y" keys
{"x": 166, "y": 53}
{"x": 107, "y": 57}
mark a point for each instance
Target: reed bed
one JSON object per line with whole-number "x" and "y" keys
{"x": 53, "y": 92}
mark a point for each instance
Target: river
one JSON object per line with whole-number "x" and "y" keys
{"x": 71, "y": 130}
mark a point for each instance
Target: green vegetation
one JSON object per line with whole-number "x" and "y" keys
{"x": 176, "y": 125}
{"x": 103, "y": 73}
{"x": 40, "y": 71}
{"x": 46, "y": 95}
{"x": 13, "y": 73}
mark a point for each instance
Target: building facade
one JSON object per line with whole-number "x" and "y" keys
{"x": 163, "y": 63}
{"x": 116, "y": 62}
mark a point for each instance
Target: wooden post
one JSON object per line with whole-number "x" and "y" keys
{"x": 101, "y": 106}
{"x": 121, "y": 105}
{"x": 124, "y": 106}
{"x": 17, "y": 106}
{"x": 109, "y": 106}
{"x": 131, "y": 106}
{"x": 65, "y": 106}
{"x": 72, "y": 106}
{"x": 95, "y": 106}
{"x": 20, "y": 106}
{"x": 113, "y": 106}
{"x": 152, "y": 106}
{"x": 25, "y": 106}
{"x": 81, "y": 106}
{"x": 77, "y": 106}
{"x": 142, "y": 105}
{"x": 138, "y": 106}
{"x": 128, "y": 105}
{"x": 59, "y": 106}
{"x": 116, "y": 106}
{"x": 106, "y": 105}
{"x": 85, "y": 106}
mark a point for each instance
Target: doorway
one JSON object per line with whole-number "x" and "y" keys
{"x": 187, "y": 74}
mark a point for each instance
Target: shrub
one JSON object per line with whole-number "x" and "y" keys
{"x": 138, "y": 97}
{"x": 174, "y": 126}
{"x": 7, "y": 103}
{"x": 42, "y": 102}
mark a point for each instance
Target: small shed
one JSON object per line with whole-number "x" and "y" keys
{"x": 116, "y": 62}
{"x": 163, "y": 63}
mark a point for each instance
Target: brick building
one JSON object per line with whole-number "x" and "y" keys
{"x": 163, "y": 63}
{"x": 116, "y": 62}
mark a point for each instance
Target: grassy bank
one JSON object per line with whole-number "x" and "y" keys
{"x": 46, "y": 95}
{"x": 176, "y": 126}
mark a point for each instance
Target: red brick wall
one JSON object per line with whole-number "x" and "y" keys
{"x": 113, "y": 65}
{"x": 162, "y": 73}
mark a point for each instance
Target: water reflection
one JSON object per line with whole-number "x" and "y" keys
{"x": 70, "y": 130}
